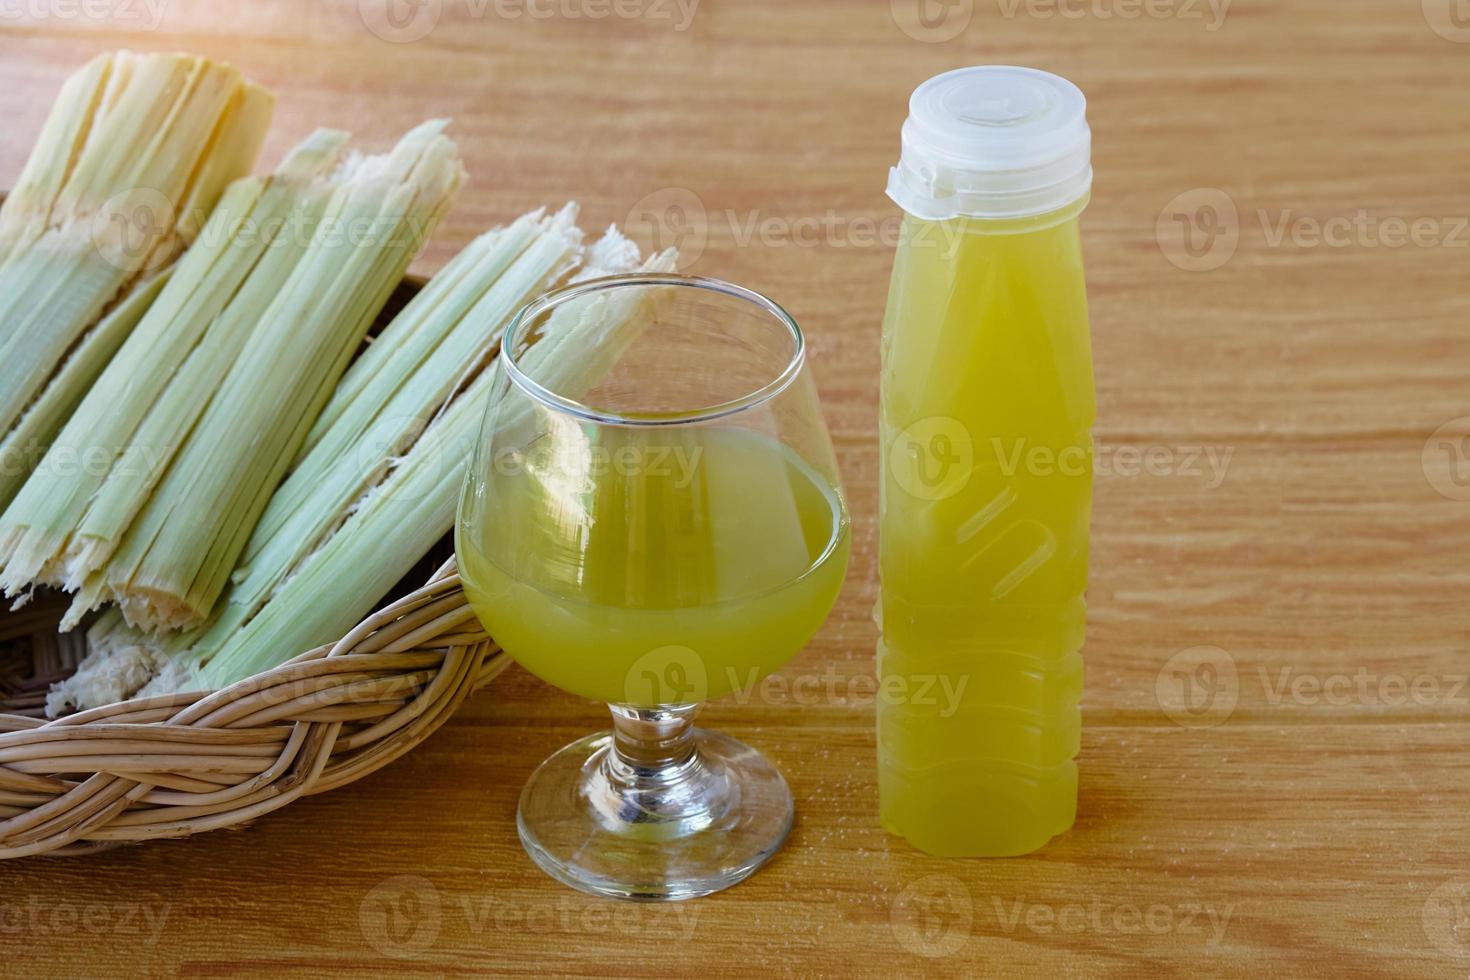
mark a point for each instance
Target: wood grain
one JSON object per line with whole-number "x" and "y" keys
{"x": 1315, "y": 828}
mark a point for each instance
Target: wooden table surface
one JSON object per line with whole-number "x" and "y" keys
{"x": 1276, "y": 753}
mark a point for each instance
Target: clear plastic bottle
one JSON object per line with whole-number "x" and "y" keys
{"x": 987, "y": 410}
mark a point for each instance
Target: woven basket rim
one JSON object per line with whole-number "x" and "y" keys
{"x": 181, "y": 764}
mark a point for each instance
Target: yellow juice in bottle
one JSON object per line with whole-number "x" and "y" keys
{"x": 986, "y": 413}
{"x": 654, "y": 567}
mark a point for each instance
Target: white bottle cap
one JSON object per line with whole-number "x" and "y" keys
{"x": 993, "y": 141}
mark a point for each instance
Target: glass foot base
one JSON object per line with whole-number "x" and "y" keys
{"x": 605, "y": 820}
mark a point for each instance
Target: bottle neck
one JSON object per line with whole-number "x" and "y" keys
{"x": 971, "y": 224}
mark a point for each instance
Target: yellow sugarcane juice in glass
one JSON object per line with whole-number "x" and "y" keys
{"x": 713, "y": 540}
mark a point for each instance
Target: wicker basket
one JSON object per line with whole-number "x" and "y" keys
{"x": 183, "y": 764}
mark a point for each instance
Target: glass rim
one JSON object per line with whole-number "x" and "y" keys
{"x": 550, "y": 300}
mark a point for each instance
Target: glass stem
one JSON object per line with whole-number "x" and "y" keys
{"x": 653, "y": 774}
{"x": 652, "y": 742}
